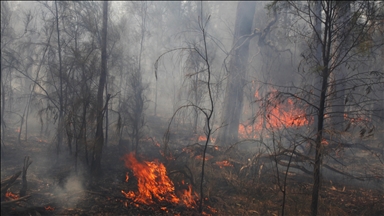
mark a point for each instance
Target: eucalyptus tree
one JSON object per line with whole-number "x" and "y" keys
{"x": 233, "y": 102}
{"x": 337, "y": 86}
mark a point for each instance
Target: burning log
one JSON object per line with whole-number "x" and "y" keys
{"x": 7, "y": 183}
{"x": 15, "y": 200}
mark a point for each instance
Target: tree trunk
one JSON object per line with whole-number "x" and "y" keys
{"x": 233, "y": 102}
{"x": 326, "y": 49}
{"x": 60, "y": 120}
{"x": 106, "y": 117}
{"x": 343, "y": 14}
{"x": 316, "y": 81}
{"x": 97, "y": 151}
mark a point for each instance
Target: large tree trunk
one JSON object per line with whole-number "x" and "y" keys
{"x": 233, "y": 104}
{"x": 98, "y": 149}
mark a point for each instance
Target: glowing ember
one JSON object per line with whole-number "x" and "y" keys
{"x": 9, "y": 194}
{"x": 324, "y": 142}
{"x": 356, "y": 120}
{"x": 207, "y": 157}
{"x": 49, "y": 208}
{"x": 126, "y": 177}
{"x": 213, "y": 210}
{"x": 224, "y": 163}
{"x": 204, "y": 138}
{"x": 154, "y": 184}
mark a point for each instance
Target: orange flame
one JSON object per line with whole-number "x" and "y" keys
{"x": 9, "y": 194}
{"x": 126, "y": 177}
{"x": 154, "y": 184}
{"x": 224, "y": 163}
{"x": 280, "y": 116}
{"x": 202, "y": 138}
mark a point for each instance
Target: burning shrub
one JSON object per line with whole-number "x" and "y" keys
{"x": 154, "y": 185}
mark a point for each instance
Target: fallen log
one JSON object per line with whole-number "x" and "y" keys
{"x": 15, "y": 200}
{"x": 7, "y": 183}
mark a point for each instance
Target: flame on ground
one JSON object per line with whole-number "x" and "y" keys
{"x": 224, "y": 163}
{"x": 126, "y": 177}
{"x": 154, "y": 184}
{"x": 49, "y": 208}
{"x": 9, "y": 194}
{"x": 207, "y": 157}
{"x": 202, "y": 138}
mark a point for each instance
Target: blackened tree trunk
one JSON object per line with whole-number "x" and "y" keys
{"x": 326, "y": 53}
{"x": 98, "y": 149}
{"x": 233, "y": 103}
{"x": 106, "y": 116}
{"x": 61, "y": 108}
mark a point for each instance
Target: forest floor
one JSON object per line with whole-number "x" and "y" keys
{"x": 56, "y": 189}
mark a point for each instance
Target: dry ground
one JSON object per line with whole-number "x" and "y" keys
{"x": 55, "y": 184}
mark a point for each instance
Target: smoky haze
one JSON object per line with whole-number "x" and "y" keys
{"x": 289, "y": 93}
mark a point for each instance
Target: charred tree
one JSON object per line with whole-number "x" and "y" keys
{"x": 98, "y": 148}
{"x": 233, "y": 102}
{"x": 61, "y": 103}
{"x": 24, "y": 186}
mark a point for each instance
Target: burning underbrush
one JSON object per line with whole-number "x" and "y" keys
{"x": 154, "y": 185}
{"x": 275, "y": 116}
{"x": 237, "y": 181}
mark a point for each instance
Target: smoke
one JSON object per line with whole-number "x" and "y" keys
{"x": 69, "y": 192}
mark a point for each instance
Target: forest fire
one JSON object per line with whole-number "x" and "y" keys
{"x": 283, "y": 115}
{"x": 154, "y": 185}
